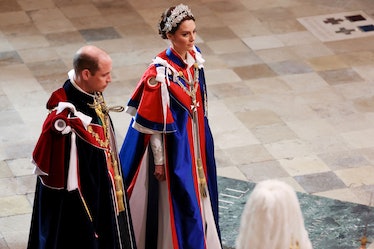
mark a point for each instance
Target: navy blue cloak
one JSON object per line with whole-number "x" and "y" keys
{"x": 87, "y": 216}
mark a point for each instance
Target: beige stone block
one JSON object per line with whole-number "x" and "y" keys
{"x": 263, "y": 42}
{"x": 227, "y": 46}
{"x": 80, "y": 10}
{"x": 54, "y": 26}
{"x": 297, "y": 38}
{"x": 306, "y": 82}
{"x": 5, "y": 45}
{"x": 218, "y": 76}
{"x": 244, "y": 155}
{"x": 14, "y": 205}
{"x": 21, "y": 166}
{"x": 8, "y": 187}
{"x": 289, "y": 149}
{"x": 28, "y": 42}
{"x": 329, "y": 62}
{"x": 35, "y": 4}
{"x": 327, "y": 144}
{"x": 15, "y": 230}
{"x": 264, "y": 86}
{"x": 306, "y": 51}
{"x": 252, "y": 28}
{"x": 273, "y": 133}
{"x": 304, "y": 165}
{"x": 227, "y": 130}
{"x": 231, "y": 172}
{"x": 355, "y": 177}
{"x": 359, "y": 139}
{"x": 344, "y": 194}
{"x": 5, "y": 172}
{"x": 259, "y": 117}
{"x": 311, "y": 128}
{"x": 276, "y": 54}
{"x": 9, "y": 18}
{"x": 38, "y": 54}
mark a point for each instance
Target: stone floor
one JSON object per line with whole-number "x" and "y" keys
{"x": 290, "y": 82}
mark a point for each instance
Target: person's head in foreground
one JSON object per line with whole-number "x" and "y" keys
{"x": 272, "y": 219}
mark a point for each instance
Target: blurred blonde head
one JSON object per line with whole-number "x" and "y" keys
{"x": 272, "y": 219}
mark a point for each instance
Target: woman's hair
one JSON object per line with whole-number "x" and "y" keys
{"x": 272, "y": 219}
{"x": 172, "y": 18}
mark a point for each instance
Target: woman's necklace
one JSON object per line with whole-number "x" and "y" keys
{"x": 192, "y": 84}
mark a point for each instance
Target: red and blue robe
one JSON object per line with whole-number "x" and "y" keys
{"x": 75, "y": 205}
{"x": 166, "y": 108}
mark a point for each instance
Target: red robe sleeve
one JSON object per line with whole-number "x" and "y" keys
{"x": 49, "y": 152}
{"x": 147, "y": 100}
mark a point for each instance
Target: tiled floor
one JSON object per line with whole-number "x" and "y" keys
{"x": 282, "y": 103}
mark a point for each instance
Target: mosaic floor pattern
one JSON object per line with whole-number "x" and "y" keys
{"x": 339, "y": 26}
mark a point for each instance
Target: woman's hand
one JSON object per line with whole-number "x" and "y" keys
{"x": 160, "y": 172}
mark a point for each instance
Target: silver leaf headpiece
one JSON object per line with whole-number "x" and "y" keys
{"x": 176, "y": 16}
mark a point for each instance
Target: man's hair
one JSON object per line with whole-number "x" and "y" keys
{"x": 83, "y": 61}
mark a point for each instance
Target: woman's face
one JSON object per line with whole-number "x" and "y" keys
{"x": 183, "y": 39}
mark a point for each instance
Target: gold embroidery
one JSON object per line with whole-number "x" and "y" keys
{"x": 101, "y": 142}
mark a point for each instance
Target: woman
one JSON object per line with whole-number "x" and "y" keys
{"x": 168, "y": 153}
{"x": 272, "y": 219}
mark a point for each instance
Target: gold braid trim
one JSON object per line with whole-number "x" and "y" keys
{"x": 103, "y": 143}
{"x": 102, "y": 112}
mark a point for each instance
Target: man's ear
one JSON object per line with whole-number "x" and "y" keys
{"x": 85, "y": 74}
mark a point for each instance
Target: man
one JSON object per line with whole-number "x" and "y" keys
{"x": 80, "y": 200}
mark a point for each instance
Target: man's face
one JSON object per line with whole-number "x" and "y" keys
{"x": 99, "y": 81}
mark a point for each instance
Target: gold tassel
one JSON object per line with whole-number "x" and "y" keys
{"x": 119, "y": 193}
{"x": 102, "y": 112}
{"x": 202, "y": 180}
{"x": 119, "y": 186}
{"x": 292, "y": 246}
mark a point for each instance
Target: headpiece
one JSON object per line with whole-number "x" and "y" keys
{"x": 177, "y": 15}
